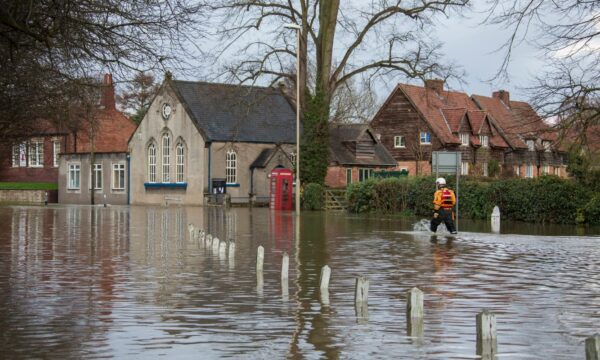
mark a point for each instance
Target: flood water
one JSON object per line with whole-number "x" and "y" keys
{"x": 130, "y": 282}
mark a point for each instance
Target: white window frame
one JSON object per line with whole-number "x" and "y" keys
{"x": 180, "y": 163}
{"x": 399, "y": 142}
{"x": 464, "y": 168}
{"x": 231, "y": 167}
{"x": 546, "y": 170}
{"x": 74, "y": 174}
{"x": 530, "y": 145}
{"x": 425, "y": 138}
{"x": 529, "y": 171}
{"x": 484, "y": 167}
{"x": 364, "y": 174}
{"x": 16, "y": 155}
{"x": 152, "y": 163}
{"x": 97, "y": 171}
{"x": 55, "y": 152}
{"x": 518, "y": 170}
{"x": 36, "y": 153}
{"x": 557, "y": 170}
{"x": 464, "y": 139}
{"x": 484, "y": 140}
{"x": 118, "y": 182}
{"x": 348, "y": 176}
{"x": 166, "y": 158}
{"x": 547, "y": 145}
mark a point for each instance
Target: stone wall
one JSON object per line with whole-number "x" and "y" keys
{"x": 26, "y": 196}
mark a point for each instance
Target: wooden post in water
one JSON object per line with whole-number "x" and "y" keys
{"x": 486, "y": 335}
{"x": 260, "y": 259}
{"x": 285, "y": 266}
{"x": 361, "y": 297}
{"x": 592, "y": 347}
{"x": 496, "y": 220}
{"x": 324, "y": 285}
{"x": 414, "y": 304}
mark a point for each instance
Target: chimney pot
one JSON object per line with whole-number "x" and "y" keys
{"x": 503, "y": 96}
{"x": 436, "y": 85}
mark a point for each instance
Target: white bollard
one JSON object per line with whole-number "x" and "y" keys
{"x": 191, "y": 231}
{"x": 361, "y": 292}
{"x": 414, "y": 303}
{"x": 215, "y": 245}
{"x": 496, "y": 220}
{"x": 325, "y": 276}
{"x": 208, "y": 241}
{"x": 592, "y": 347}
{"x": 223, "y": 249}
{"x": 285, "y": 266}
{"x": 486, "y": 325}
{"x": 231, "y": 255}
{"x": 260, "y": 259}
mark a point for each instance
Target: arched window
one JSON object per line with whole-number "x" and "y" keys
{"x": 231, "y": 167}
{"x": 152, "y": 163}
{"x": 166, "y": 158}
{"x": 180, "y": 163}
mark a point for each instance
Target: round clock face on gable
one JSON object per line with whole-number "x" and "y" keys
{"x": 166, "y": 111}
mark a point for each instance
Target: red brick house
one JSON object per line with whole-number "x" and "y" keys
{"x": 416, "y": 120}
{"x": 354, "y": 153}
{"x": 533, "y": 148}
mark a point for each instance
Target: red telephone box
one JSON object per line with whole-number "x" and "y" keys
{"x": 282, "y": 181}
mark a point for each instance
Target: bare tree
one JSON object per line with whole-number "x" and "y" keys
{"x": 341, "y": 41}
{"x": 46, "y": 43}
{"x": 137, "y": 96}
{"x": 567, "y": 36}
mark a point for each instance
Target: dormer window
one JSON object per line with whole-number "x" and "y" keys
{"x": 531, "y": 145}
{"x": 464, "y": 139}
{"x": 425, "y": 138}
{"x": 547, "y": 145}
{"x": 484, "y": 140}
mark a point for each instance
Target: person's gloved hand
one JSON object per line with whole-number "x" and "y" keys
{"x": 435, "y": 215}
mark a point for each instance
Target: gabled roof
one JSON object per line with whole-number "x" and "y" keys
{"x": 476, "y": 120}
{"x": 431, "y": 105}
{"x": 262, "y": 160}
{"x": 454, "y": 117}
{"x": 518, "y": 120}
{"x": 225, "y": 112}
{"x": 342, "y": 134}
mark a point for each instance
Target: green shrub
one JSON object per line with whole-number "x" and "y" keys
{"x": 312, "y": 197}
{"x": 546, "y": 199}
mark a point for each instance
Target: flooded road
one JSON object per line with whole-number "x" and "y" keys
{"x": 129, "y": 282}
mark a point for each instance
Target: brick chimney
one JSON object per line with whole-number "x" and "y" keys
{"x": 436, "y": 85}
{"x": 503, "y": 96}
{"x": 108, "y": 92}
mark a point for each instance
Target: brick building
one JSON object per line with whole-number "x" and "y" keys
{"x": 416, "y": 120}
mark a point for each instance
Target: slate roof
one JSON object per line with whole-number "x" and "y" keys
{"x": 518, "y": 120}
{"x": 340, "y": 135}
{"x": 223, "y": 112}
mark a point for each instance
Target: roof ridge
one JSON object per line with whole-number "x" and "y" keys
{"x": 225, "y": 84}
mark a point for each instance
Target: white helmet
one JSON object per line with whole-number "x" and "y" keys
{"x": 440, "y": 181}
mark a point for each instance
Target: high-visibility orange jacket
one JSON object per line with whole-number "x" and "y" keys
{"x": 444, "y": 198}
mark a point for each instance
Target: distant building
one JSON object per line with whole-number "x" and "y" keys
{"x": 354, "y": 153}
{"x": 196, "y": 134}
{"x": 95, "y": 170}
{"x": 418, "y": 120}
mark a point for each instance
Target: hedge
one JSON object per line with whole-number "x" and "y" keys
{"x": 547, "y": 199}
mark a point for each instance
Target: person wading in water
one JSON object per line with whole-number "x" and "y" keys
{"x": 443, "y": 204}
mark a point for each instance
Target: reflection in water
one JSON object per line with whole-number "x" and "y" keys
{"x": 129, "y": 282}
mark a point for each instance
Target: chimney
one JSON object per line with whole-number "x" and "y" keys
{"x": 503, "y": 96}
{"x": 108, "y": 92}
{"x": 436, "y": 85}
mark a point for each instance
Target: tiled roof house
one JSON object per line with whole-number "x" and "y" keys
{"x": 416, "y": 120}
{"x": 533, "y": 148}
{"x": 354, "y": 153}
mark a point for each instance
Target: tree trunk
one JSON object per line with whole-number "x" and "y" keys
{"x": 328, "y": 11}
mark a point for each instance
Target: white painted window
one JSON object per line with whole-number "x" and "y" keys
{"x": 118, "y": 177}
{"x": 364, "y": 174}
{"x": 529, "y": 171}
{"x": 425, "y": 138}
{"x": 74, "y": 176}
{"x": 231, "y": 167}
{"x": 546, "y": 170}
{"x": 15, "y": 156}
{"x": 55, "y": 152}
{"x": 180, "y": 163}
{"x": 166, "y": 158}
{"x": 23, "y": 154}
{"x": 531, "y": 145}
{"x": 36, "y": 153}
{"x": 399, "y": 142}
{"x": 348, "y": 176}
{"x": 547, "y": 145}
{"x": 557, "y": 170}
{"x": 152, "y": 163}
{"x": 464, "y": 168}
{"x": 484, "y": 140}
{"x": 485, "y": 169}
{"x": 97, "y": 178}
{"x": 518, "y": 170}
{"x": 464, "y": 139}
